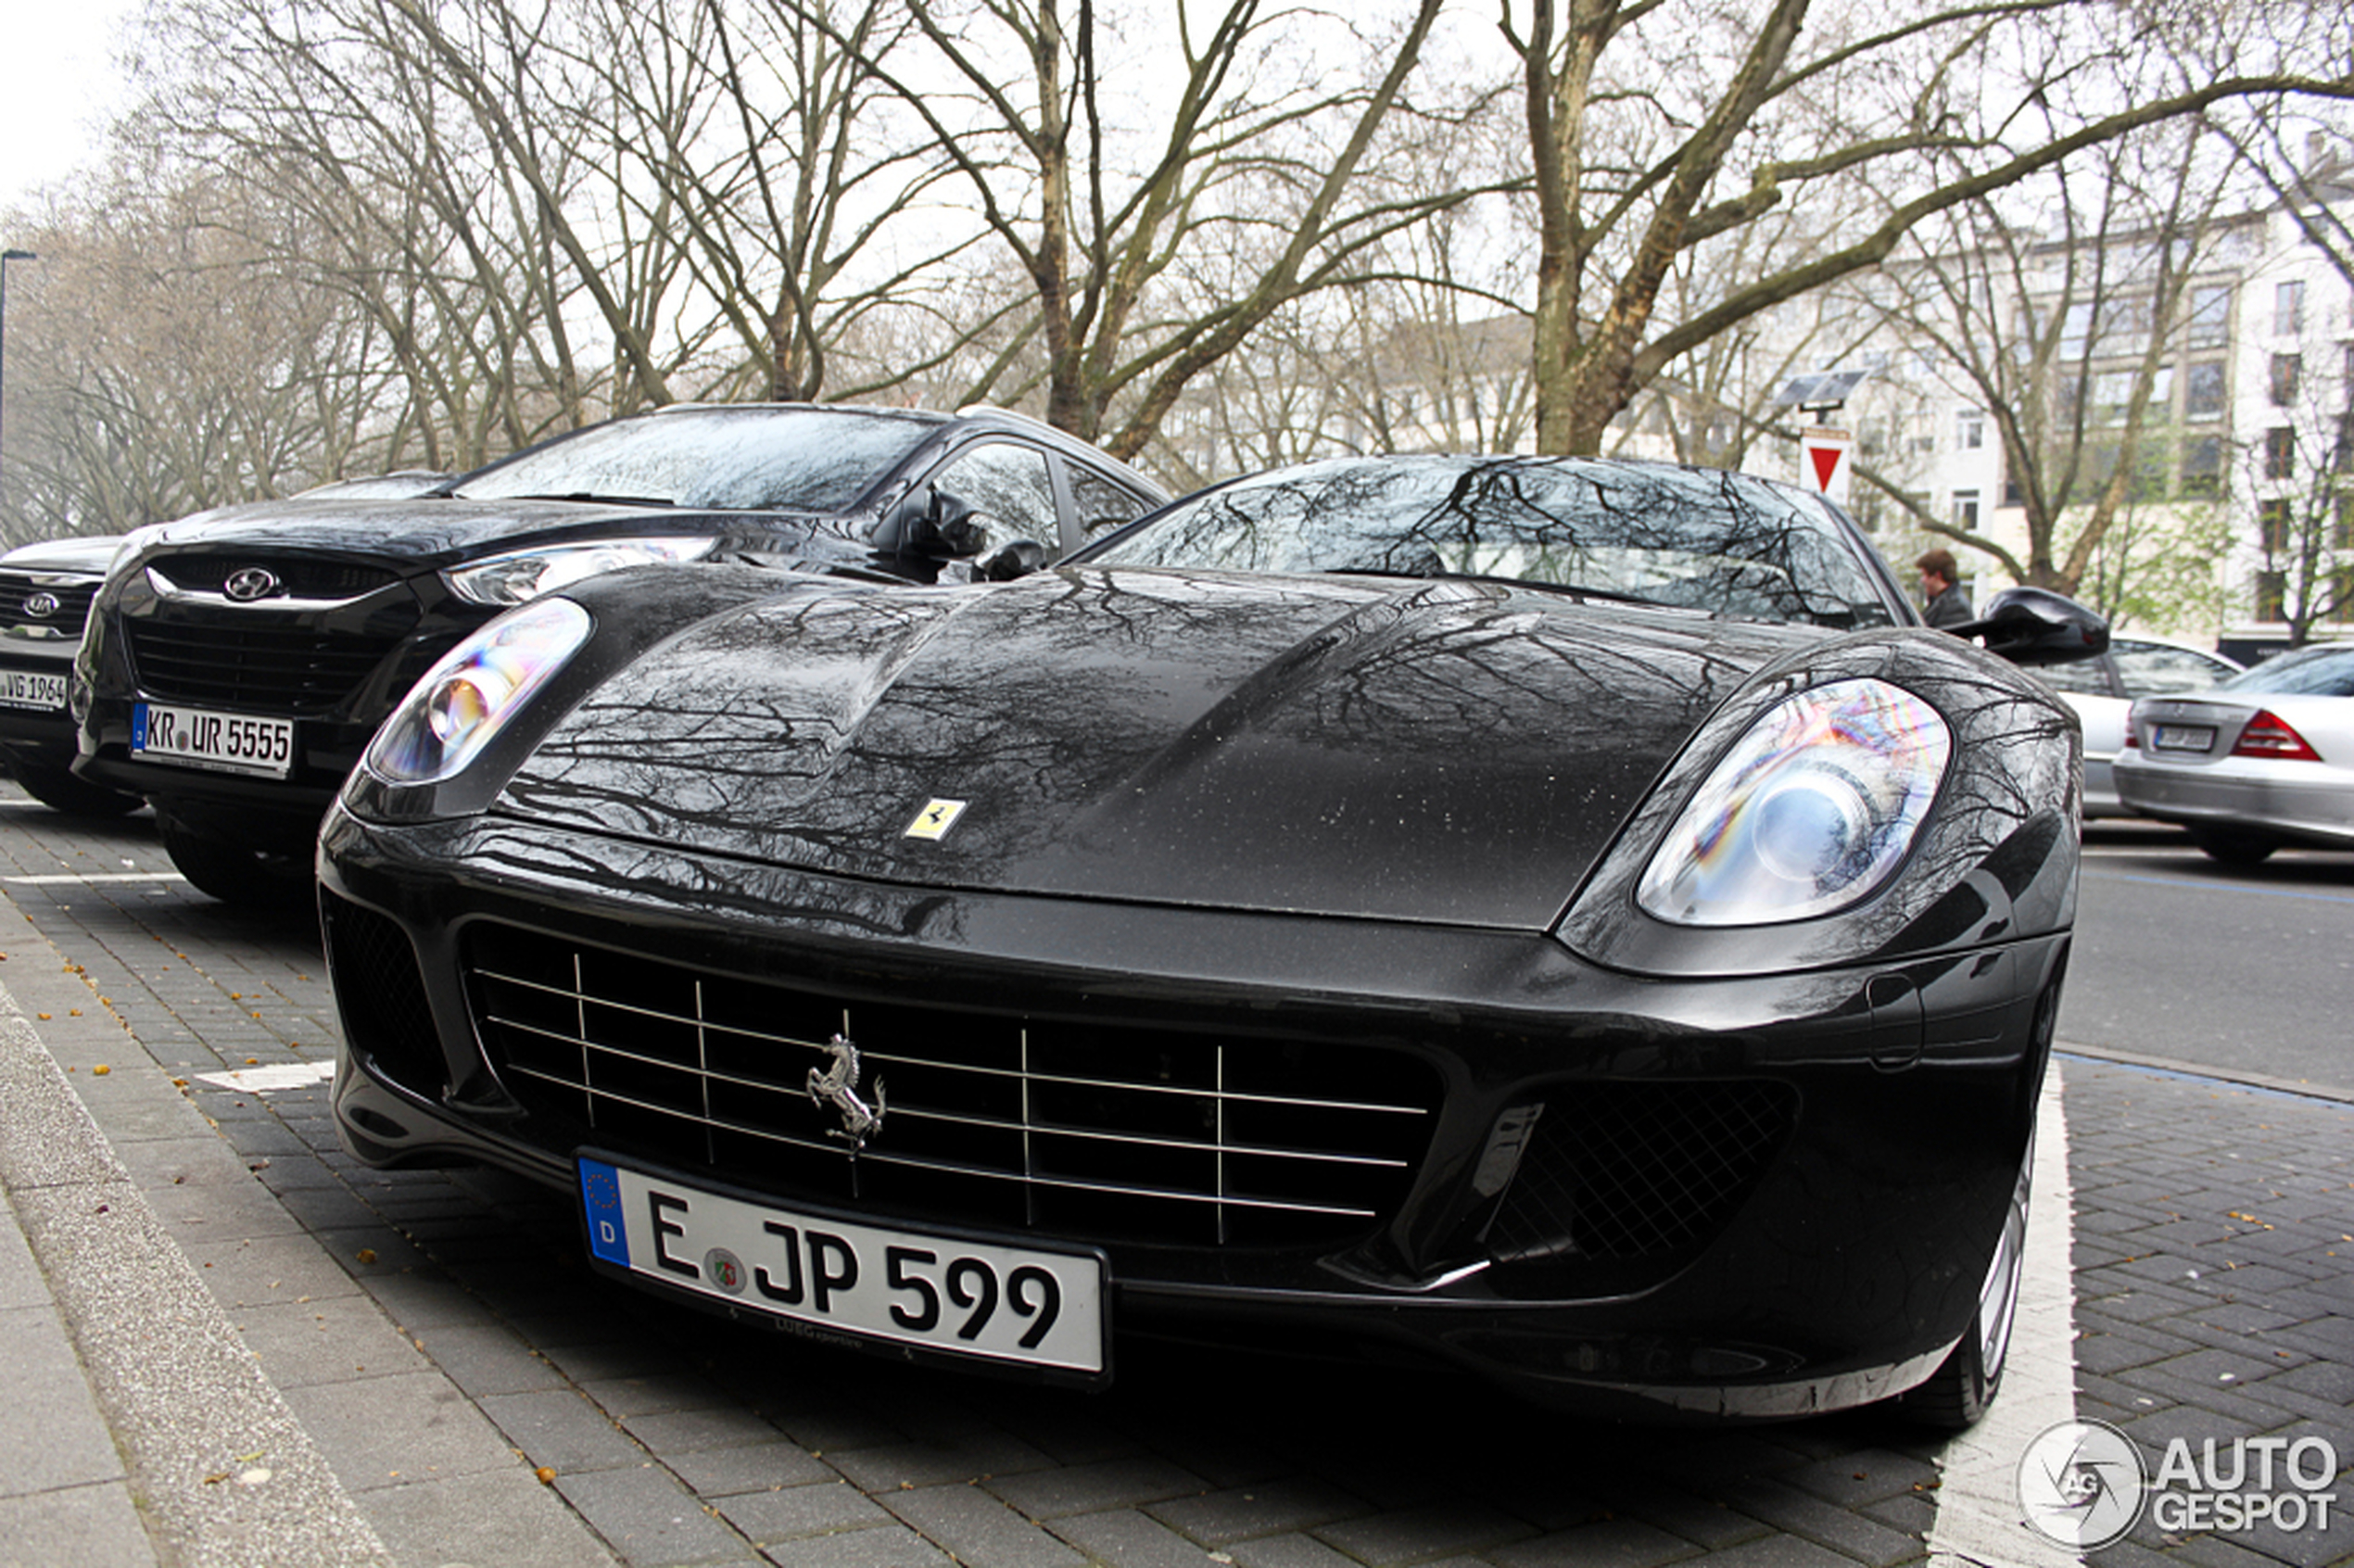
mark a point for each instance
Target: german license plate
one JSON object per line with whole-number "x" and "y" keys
{"x": 2182, "y": 738}
{"x": 225, "y": 743}
{"x": 1005, "y": 1304}
{"x": 25, "y": 688}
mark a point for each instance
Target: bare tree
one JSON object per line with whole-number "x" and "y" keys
{"x": 1658, "y": 130}
{"x": 160, "y": 364}
{"x": 1231, "y": 178}
{"x": 2090, "y": 340}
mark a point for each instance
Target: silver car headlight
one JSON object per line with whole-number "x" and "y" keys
{"x": 1811, "y": 810}
{"x": 466, "y": 698}
{"x": 520, "y": 576}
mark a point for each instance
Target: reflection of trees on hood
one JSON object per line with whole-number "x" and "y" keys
{"x": 1077, "y": 705}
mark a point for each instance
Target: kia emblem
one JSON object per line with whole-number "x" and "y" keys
{"x": 41, "y": 606}
{"x": 249, "y": 583}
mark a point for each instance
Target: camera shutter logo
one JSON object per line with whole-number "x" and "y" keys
{"x": 2082, "y": 1484}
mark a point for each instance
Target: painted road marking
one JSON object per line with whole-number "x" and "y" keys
{"x": 277, "y": 1076}
{"x": 1978, "y": 1511}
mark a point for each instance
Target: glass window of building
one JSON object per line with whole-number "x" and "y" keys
{"x": 2280, "y": 453}
{"x": 2286, "y": 370}
{"x": 2203, "y": 390}
{"x": 2211, "y": 315}
{"x": 2288, "y": 309}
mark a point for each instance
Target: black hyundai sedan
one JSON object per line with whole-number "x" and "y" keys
{"x": 1562, "y": 919}
{"x": 238, "y": 661}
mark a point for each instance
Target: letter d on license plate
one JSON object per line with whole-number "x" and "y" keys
{"x": 956, "y": 1295}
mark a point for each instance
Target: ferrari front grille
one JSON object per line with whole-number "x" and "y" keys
{"x": 61, "y": 610}
{"x": 1088, "y": 1132}
{"x": 253, "y": 659}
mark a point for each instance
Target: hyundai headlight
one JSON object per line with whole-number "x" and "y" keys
{"x": 520, "y": 576}
{"x": 1811, "y": 810}
{"x": 466, "y": 698}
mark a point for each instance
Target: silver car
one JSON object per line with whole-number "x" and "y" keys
{"x": 2102, "y": 690}
{"x": 2264, "y": 759}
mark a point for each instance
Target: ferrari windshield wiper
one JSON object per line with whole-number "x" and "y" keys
{"x": 1573, "y": 591}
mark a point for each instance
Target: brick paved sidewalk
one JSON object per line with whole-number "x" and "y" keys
{"x": 439, "y": 1339}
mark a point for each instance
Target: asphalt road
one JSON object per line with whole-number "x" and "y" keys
{"x": 2247, "y": 971}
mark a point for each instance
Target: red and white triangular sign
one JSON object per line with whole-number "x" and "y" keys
{"x": 1823, "y": 461}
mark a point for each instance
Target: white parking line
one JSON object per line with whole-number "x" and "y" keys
{"x": 62, "y": 878}
{"x": 278, "y": 1075}
{"x": 1977, "y": 1512}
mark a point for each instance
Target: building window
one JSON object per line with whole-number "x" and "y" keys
{"x": 2272, "y": 525}
{"x": 2203, "y": 465}
{"x": 1970, "y": 429}
{"x": 1966, "y": 511}
{"x": 2342, "y": 535}
{"x": 2280, "y": 453}
{"x": 2288, "y": 309}
{"x": 2112, "y": 395}
{"x": 2286, "y": 370}
{"x": 2272, "y": 595}
{"x": 2211, "y": 315}
{"x": 2203, "y": 390}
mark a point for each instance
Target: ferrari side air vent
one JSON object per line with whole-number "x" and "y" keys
{"x": 1620, "y": 1171}
{"x": 381, "y": 995}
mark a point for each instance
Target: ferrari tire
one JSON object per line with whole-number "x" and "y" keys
{"x": 60, "y": 791}
{"x": 1962, "y": 1388}
{"x": 235, "y": 874}
{"x": 2233, "y": 848}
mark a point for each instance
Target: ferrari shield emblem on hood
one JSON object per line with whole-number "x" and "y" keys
{"x": 935, "y": 820}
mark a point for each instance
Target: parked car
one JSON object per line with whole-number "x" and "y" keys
{"x": 2264, "y": 759}
{"x": 237, "y": 661}
{"x": 44, "y": 599}
{"x": 2102, "y": 692}
{"x": 1564, "y": 919}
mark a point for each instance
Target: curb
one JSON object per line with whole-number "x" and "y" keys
{"x": 224, "y": 1471}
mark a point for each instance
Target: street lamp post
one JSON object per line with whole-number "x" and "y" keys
{"x": 6, "y": 257}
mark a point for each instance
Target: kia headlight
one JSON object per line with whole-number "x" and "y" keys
{"x": 1811, "y": 810}
{"x": 468, "y": 697}
{"x": 520, "y": 576}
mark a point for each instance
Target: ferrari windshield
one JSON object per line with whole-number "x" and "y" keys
{"x": 1695, "y": 538}
{"x": 745, "y": 459}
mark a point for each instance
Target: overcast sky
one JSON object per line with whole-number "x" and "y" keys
{"x": 57, "y": 84}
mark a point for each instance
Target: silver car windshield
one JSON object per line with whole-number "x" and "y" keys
{"x": 1728, "y": 544}
{"x": 2308, "y": 672}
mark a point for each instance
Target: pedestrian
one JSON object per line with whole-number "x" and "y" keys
{"x": 1948, "y": 601}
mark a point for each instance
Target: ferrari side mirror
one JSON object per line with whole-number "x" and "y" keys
{"x": 2032, "y": 626}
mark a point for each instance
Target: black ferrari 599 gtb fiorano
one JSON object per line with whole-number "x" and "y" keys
{"x": 1559, "y": 919}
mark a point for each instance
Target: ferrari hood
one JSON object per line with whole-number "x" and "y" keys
{"x": 432, "y": 533}
{"x": 1447, "y": 751}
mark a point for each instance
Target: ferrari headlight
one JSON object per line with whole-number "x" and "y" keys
{"x": 466, "y": 698}
{"x": 523, "y": 575}
{"x": 1810, "y": 812}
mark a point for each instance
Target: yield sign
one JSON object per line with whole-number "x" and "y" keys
{"x": 1823, "y": 461}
